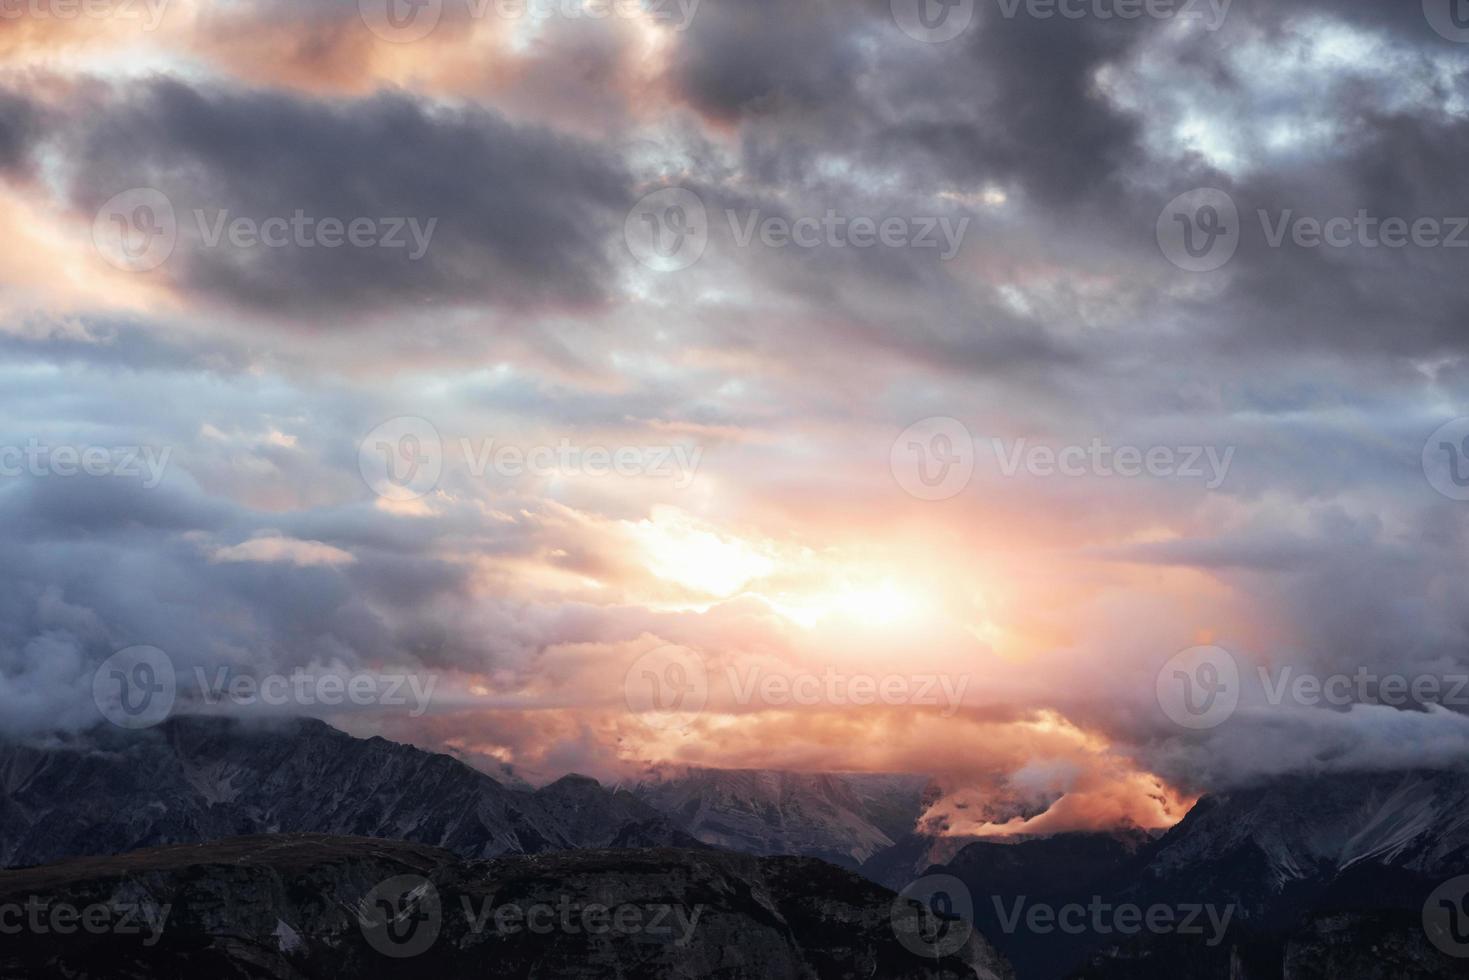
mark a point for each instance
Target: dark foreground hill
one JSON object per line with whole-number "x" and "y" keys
{"x": 310, "y": 907}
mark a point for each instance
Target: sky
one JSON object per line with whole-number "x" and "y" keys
{"x": 1063, "y": 399}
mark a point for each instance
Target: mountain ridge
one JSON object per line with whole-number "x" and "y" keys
{"x": 193, "y": 779}
{"x": 1320, "y": 873}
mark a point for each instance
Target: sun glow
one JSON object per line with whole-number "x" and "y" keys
{"x": 678, "y": 548}
{"x": 883, "y": 603}
{"x": 810, "y": 588}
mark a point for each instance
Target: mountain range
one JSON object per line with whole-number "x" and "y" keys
{"x": 1296, "y": 878}
{"x": 107, "y": 791}
{"x": 1310, "y": 876}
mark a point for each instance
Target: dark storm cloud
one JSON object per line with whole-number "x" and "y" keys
{"x": 96, "y": 565}
{"x": 1403, "y": 20}
{"x": 20, "y": 128}
{"x": 1363, "y": 296}
{"x": 767, "y": 57}
{"x": 1020, "y": 102}
{"x": 1022, "y": 105}
{"x": 1346, "y": 597}
{"x": 523, "y": 215}
{"x": 79, "y": 509}
{"x": 1009, "y": 100}
{"x": 1327, "y": 111}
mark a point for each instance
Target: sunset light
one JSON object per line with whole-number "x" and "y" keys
{"x": 889, "y": 487}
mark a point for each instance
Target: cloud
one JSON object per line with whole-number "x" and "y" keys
{"x": 794, "y": 548}
{"x": 273, "y": 548}
{"x": 464, "y": 206}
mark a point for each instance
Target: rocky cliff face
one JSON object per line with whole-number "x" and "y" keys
{"x": 1301, "y": 829}
{"x": 1365, "y": 946}
{"x": 194, "y": 779}
{"x": 293, "y": 907}
{"x": 1319, "y": 876}
{"x": 1326, "y": 875}
{"x": 842, "y": 818}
